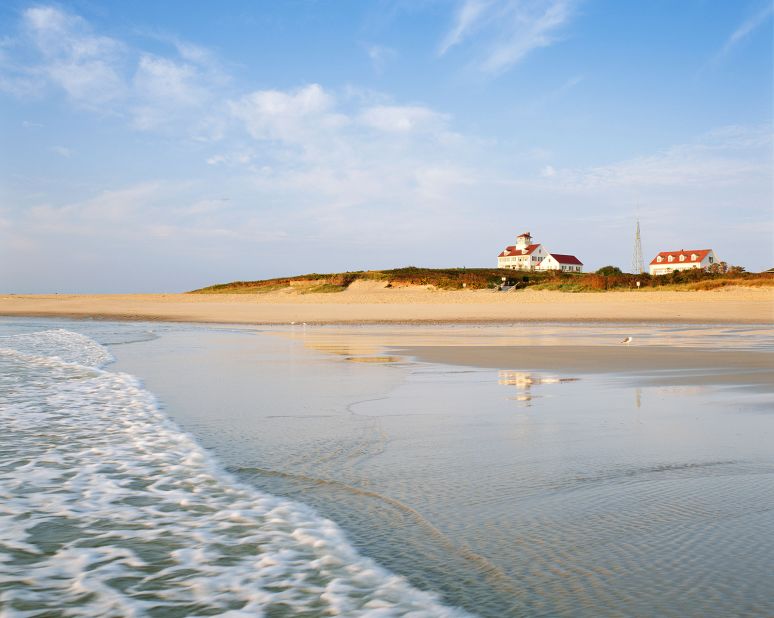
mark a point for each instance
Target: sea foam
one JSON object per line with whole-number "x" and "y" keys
{"x": 108, "y": 509}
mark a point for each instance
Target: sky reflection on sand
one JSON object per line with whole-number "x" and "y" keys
{"x": 590, "y": 495}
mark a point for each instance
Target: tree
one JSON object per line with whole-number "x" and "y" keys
{"x": 609, "y": 270}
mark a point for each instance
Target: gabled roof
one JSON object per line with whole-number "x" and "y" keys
{"x": 699, "y": 253}
{"x": 566, "y": 259}
{"x": 524, "y": 234}
{"x": 512, "y": 250}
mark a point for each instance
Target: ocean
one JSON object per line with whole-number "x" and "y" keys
{"x": 193, "y": 470}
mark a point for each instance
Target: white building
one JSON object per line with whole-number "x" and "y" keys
{"x": 526, "y": 255}
{"x": 559, "y": 261}
{"x": 670, "y": 261}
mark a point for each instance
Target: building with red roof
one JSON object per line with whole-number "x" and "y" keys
{"x": 528, "y": 255}
{"x": 560, "y": 261}
{"x": 670, "y": 261}
{"x": 524, "y": 255}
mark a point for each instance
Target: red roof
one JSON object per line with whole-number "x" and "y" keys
{"x": 566, "y": 259}
{"x": 524, "y": 234}
{"x": 699, "y": 253}
{"x": 514, "y": 251}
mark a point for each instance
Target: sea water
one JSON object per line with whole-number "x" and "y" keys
{"x": 107, "y": 508}
{"x": 505, "y": 493}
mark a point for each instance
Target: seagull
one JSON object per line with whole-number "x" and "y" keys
{"x": 627, "y": 341}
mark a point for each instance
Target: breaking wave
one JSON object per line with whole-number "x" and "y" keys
{"x": 108, "y": 509}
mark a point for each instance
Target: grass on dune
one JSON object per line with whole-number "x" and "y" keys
{"x": 491, "y": 278}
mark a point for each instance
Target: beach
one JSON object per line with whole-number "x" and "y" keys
{"x": 522, "y": 469}
{"x": 369, "y": 302}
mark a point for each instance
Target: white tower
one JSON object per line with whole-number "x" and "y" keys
{"x": 523, "y": 240}
{"x": 637, "y": 265}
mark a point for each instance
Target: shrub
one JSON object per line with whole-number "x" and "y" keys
{"x": 609, "y": 270}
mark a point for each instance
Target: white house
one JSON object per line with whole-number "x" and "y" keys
{"x": 670, "y": 261}
{"x": 524, "y": 255}
{"x": 559, "y": 261}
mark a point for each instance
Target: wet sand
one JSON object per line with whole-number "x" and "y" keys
{"x": 372, "y": 303}
{"x": 706, "y": 366}
{"x": 510, "y": 493}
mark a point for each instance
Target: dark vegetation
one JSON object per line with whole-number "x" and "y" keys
{"x": 492, "y": 278}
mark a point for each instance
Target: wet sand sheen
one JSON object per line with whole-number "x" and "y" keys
{"x": 528, "y": 494}
{"x": 744, "y": 366}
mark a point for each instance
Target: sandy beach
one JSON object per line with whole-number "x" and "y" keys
{"x": 367, "y": 302}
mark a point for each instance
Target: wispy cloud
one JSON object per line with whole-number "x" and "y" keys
{"x": 731, "y": 156}
{"x": 82, "y": 63}
{"x": 380, "y": 55}
{"x": 402, "y": 118}
{"x": 506, "y": 31}
{"x": 469, "y": 15}
{"x": 56, "y": 50}
{"x": 62, "y": 151}
{"x": 749, "y": 26}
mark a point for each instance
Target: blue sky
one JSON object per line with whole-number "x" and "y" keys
{"x": 164, "y": 146}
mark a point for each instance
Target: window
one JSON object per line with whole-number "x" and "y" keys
{"x": 671, "y": 259}
{"x": 659, "y": 259}
{"x": 693, "y": 257}
{"x": 682, "y": 258}
{"x": 711, "y": 259}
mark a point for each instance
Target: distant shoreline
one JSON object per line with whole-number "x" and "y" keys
{"x": 373, "y": 304}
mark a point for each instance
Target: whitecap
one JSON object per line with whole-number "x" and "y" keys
{"x": 107, "y": 508}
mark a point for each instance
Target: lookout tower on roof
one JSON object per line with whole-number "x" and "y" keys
{"x": 523, "y": 240}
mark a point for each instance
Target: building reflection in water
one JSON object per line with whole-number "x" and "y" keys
{"x": 524, "y": 382}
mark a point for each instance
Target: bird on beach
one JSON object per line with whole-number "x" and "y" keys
{"x": 627, "y": 340}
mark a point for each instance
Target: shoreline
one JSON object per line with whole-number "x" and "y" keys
{"x": 376, "y": 305}
{"x": 658, "y": 364}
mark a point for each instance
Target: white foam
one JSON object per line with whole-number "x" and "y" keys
{"x": 107, "y": 508}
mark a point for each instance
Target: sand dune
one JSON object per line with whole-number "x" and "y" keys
{"x": 370, "y": 302}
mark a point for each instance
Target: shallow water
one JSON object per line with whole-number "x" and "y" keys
{"x": 504, "y": 492}
{"x": 108, "y": 509}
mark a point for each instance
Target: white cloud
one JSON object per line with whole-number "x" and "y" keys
{"x": 402, "y": 119}
{"x": 62, "y": 151}
{"x": 507, "y": 30}
{"x": 242, "y": 157}
{"x": 164, "y": 79}
{"x": 747, "y": 28}
{"x": 726, "y": 157}
{"x": 165, "y": 90}
{"x": 180, "y": 92}
{"x": 85, "y": 65}
{"x": 380, "y": 56}
{"x": 469, "y": 15}
{"x": 287, "y": 116}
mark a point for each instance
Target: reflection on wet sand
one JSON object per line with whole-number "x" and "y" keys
{"x": 578, "y": 505}
{"x": 524, "y": 383}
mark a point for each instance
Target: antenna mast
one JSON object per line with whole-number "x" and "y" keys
{"x": 637, "y": 266}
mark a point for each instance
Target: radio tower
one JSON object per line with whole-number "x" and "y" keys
{"x": 637, "y": 265}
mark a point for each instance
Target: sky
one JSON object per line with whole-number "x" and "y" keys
{"x": 164, "y": 146}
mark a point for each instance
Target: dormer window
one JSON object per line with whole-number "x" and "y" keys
{"x": 693, "y": 257}
{"x": 682, "y": 258}
{"x": 671, "y": 258}
{"x": 659, "y": 259}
